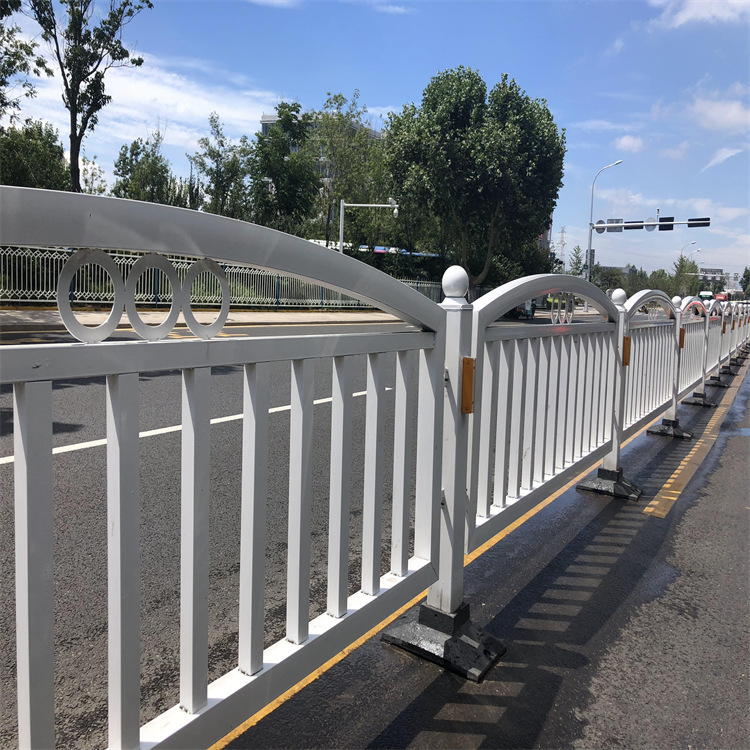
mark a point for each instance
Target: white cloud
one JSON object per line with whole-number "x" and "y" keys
{"x": 603, "y": 126}
{"x": 721, "y": 156}
{"x": 395, "y": 9}
{"x": 616, "y": 47}
{"x": 276, "y": 3}
{"x": 678, "y": 152}
{"x": 630, "y": 143}
{"x": 676, "y": 13}
{"x": 164, "y": 93}
{"x": 728, "y": 115}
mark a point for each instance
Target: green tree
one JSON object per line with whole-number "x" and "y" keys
{"x": 18, "y": 61}
{"x": 92, "y": 177}
{"x": 636, "y": 279}
{"x": 745, "y": 282}
{"x": 224, "y": 168}
{"x": 576, "y": 261}
{"x": 144, "y": 174}
{"x": 661, "y": 280}
{"x": 84, "y": 51}
{"x": 345, "y": 147}
{"x": 284, "y": 172}
{"x": 32, "y": 156}
{"x": 488, "y": 166}
{"x": 607, "y": 278}
{"x": 685, "y": 278}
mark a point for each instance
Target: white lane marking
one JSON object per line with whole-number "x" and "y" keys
{"x": 173, "y": 428}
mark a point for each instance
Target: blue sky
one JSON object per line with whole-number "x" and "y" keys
{"x": 663, "y": 85}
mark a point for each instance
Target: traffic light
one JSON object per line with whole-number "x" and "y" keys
{"x": 704, "y": 222}
{"x": 666, "y": 223}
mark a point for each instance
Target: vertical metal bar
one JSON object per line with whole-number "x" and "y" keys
{"x": 574, "y": 403}
{"x": 341, "y": 486}
{"x": 530, "y": 414}
{"x": 403, "y": 465}
{"x": 253, "y": 517}
{"x": 598, "y": 392}
{"x": 583, "y": 409}
{"x": 196, "y": 483}
{"x": 553, "y": 405}
{"x": 300, "y": 501}
{"x": 503, "y": 407}
{"x": 123, "y": 560}
{"x": 32, "y": 445}
{"x": 610, "y": 356}
{"x": 590, "y": 393}
{"x": 520, "y": 357}
{"x": 488, "y": 427}
{"x": 542, "y": 408}
{"x": 429, "y": 449}
{"x": 372, "y": 512}
{"x": 563, "y": 411}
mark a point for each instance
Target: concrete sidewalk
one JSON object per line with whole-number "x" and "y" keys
{"x": 48, "y": 319}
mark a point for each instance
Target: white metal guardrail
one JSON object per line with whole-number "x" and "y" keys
{"x": 505, "y": 414}
{"x": 30, "y": 275}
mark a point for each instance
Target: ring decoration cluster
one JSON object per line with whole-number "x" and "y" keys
{"x": 563, "y": 308}
{"x": 125, "y": 297}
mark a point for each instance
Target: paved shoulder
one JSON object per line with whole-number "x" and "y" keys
{"x": 677, "y": 676}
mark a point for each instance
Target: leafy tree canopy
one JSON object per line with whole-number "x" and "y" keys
{"x": 32, "y": 156}
{"x": 488, "y": 166}
{"x": 223, "y": 167}
{"x": 576, "y": 261}
{"x": 17, "y": 61}
{"x": 283, "y": 171}
{"x": 84, "y": 52}
{"x": 145, "y": 175}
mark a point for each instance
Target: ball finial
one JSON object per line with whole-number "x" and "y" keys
{"x": 455, "y": 282}
{"x": 619, "y": 297}
{"x": 677, "y": 301}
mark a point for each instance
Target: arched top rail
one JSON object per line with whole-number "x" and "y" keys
{"x": 646, "y": 296}
{"x": 715, "y": 309}
{"x": 48, "y": 218}
{"x": 694, "y": 304}
{"x": 497, "y": 302}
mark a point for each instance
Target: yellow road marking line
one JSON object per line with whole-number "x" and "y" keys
{"x": 663, "y": 501}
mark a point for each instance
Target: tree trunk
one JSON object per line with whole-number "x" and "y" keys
{"x": 75, "y": 154}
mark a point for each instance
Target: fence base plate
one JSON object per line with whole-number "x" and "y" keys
{"x": 726, "y": 370}
{"x": 699, "y": 399}
{"x": 607, "y": 482}
{"x": 450, "y": 640}
{"x": 670, "y": 428}
{"x": 715, "y": 382}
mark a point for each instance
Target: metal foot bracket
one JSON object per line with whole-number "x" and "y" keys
{"x": 450, "y": 640}
{"x": 608, "y": 482}
{"x": 715, "y": 382}
{"x": 670, "y": 428}
{"x": 699, "y": 399}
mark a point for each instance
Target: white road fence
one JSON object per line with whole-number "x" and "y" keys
{"x": 31, "y": 275}
{"x": 503, "y": 414}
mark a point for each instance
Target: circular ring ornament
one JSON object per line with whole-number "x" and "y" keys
{"x": 145, "y": 331}
{"x": 210, "y": 266}
{"x": 84, "y": 333}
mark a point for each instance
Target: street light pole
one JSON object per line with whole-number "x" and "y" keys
{"x": 591, "y": 219}
{"x": 391, "y": 204}
{"x": 688, "y": 245}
